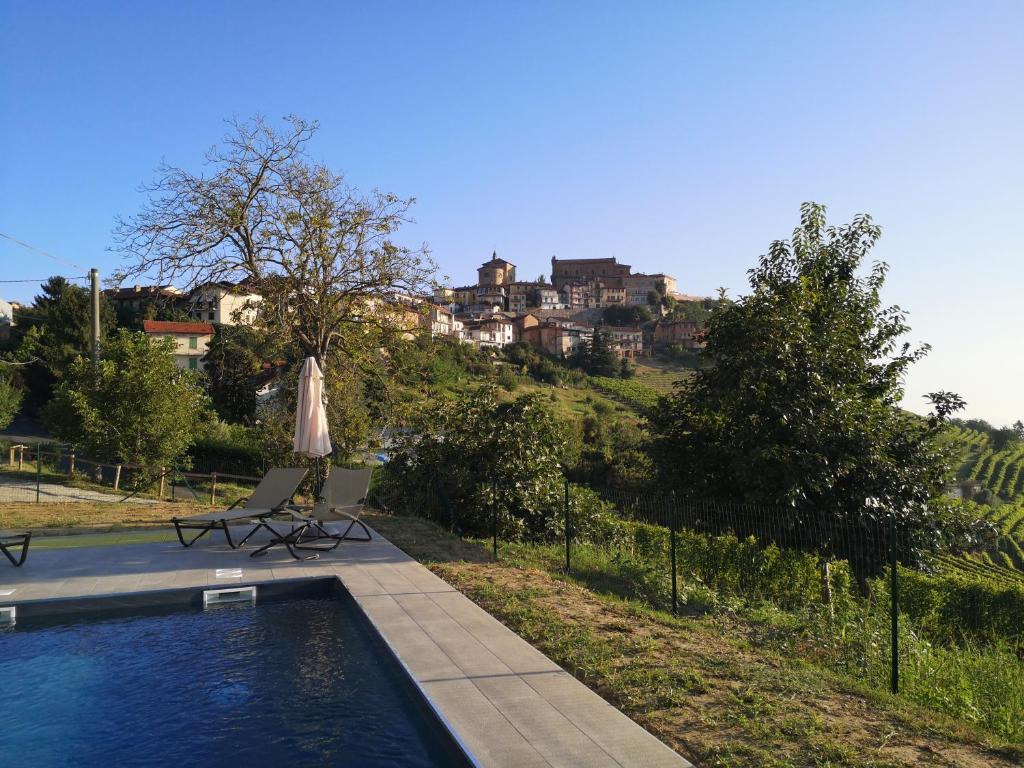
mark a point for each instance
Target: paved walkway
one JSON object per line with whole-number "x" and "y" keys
{"x": 509, "y": 704}
{"x": 19, "y": 490}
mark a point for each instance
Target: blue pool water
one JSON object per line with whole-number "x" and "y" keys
{"x": 293, "y": 683}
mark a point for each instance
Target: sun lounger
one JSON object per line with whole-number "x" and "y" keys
{"x": 273, "y": 494}
{"x": 344, "y": 494}
{"x": 11, "y": 540}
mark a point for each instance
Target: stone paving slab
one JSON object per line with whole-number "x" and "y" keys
{"x": 509, "y": 705}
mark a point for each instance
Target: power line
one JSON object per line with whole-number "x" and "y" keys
{"x": 44, "y": 279}
{"x": 41, "y": 251}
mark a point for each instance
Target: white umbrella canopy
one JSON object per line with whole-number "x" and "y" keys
{"x": 312, "y": 437}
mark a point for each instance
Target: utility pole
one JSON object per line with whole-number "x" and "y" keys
{"x": 94, "y": 279}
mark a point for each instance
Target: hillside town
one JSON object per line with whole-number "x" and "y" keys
{"x": 557, "y": 317}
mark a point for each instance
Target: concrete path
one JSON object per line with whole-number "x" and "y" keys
{"x": 509, "y": 705}
{"x": 20, "y": 490}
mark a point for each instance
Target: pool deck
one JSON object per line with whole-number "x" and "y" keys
{"x": 506, "y": 701}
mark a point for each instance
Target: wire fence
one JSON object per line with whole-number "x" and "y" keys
{"x": 668, "y": 546}
{"x": 50, "y": 464}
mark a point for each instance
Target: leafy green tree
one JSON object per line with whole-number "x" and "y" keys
{"x": 52, "y": 332}
{"x": 10, "y": 402}
{"x": 138, "y": 408}
{"x": 132, "y": 318}
{"x": 235, "y": 356}
{"x": 486, "y": 455}
{"x": 627, "y": 315}
{"x": 799, "y": 408}
{"x": 325, "y": 258}
{"x": 597, "y": 358}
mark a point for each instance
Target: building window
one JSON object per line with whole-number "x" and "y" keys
{"x": 193, "y": 342}
{"x": 193, "y": 364}
{"x": 211, "y": 316}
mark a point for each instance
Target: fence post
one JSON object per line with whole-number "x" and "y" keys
{"x": 494, "y": 519}
{"x": 894, "y": 603}
{"x": 568, "y": 528}
{"x": 21, "y": 457}
{"x": 39, "y": 468}
{"x": 213, "y": 488}
{"x": 160, "y": 490}
{"x": 117, "y": 476}
{"x": 672, "y": 548}
{"x": 11, "y": 461}
{"x": 71, "y": 464}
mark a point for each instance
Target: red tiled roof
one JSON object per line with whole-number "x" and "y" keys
{"x": 165, "y": 326}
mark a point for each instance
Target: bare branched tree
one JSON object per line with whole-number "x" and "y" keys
{"x": 319, "y": 252}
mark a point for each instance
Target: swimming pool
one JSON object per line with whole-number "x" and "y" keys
{"x": 298, "y": 682}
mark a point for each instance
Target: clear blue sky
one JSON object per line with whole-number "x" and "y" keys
{"x": 677, "y": 136}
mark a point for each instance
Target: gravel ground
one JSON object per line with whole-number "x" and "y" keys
{"x": 16, "y": 489}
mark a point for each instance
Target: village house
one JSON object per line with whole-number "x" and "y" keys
{"x": 438, "y": 320}
{"x": 576, "y": 294}
{"x": 523, "y": 296}
{"x": 685, "y": 332}
{"x": 495, "y": 331}
{"x": 639, "y": 287}
{"x": 626, "y": 342}
{"x": 191, "y": 340}
{"x": 557, "y": 336}
{"x": 464, "y": 296}
{"x": 607, "y": 294}
{"x": 224, "y": 303}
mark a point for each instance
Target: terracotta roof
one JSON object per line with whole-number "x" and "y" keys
{"x": 165, "y": 326}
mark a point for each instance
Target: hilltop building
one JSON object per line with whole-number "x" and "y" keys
{"x": 496, "y": 272}
{"x": 588, "y": 270}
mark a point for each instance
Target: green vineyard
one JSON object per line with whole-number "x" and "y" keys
{"x": 627, "y": 391}
{"x": 995, "y": 477}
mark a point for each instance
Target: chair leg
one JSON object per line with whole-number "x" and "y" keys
{"x": 5, "y": 548}
{"x": 289, "y": 541}
{"x": 353, "y": 522}
{"x": 250, "y": 533}
{"x": 203, "y": 530}
{"x": 227, "y": 535}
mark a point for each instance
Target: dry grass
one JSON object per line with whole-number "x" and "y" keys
{"x": 701, "y": 684}
{"x": 92, "y": 517}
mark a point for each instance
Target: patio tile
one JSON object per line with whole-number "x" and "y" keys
{"x": 488, "y": 734}
{"x": 519, "y": 656}
{"x": 471, "y": 656}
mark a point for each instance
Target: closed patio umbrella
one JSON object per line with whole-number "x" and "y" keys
{"x": 312, "y": 437}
